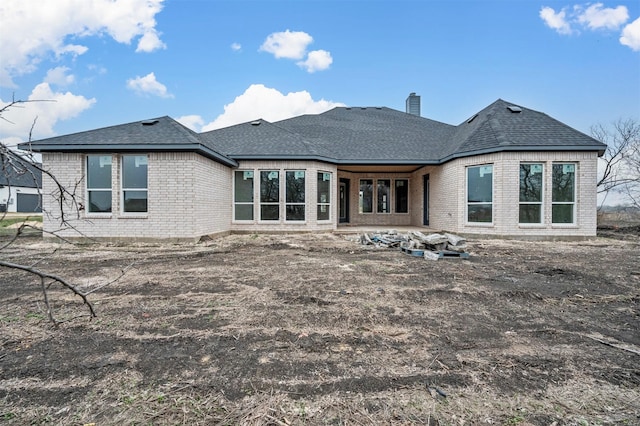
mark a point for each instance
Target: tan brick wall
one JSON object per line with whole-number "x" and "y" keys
{"x": 311, "y": 223}
{"x": 380, "y": 219}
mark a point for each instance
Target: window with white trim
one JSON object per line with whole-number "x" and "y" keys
{"x": 563, "y": 193}
{"x": 295, "y": 195}
{"x": 243, "y": 195}
{"x": 531, "y": 193}
{"x": 324, "y": 196}
{"x": 134, "y": 183}
{"x": 99, "y": 183}
{"x": 480, "y": 194}
{"x": 269, "y": 195}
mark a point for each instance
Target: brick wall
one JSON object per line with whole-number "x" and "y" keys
{"x": 188, "y": 196}
{"x": 448, "y": 206}
{"x": 381, "y": 219}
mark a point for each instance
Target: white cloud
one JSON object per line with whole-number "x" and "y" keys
{"x": 293, "y": 45}
{"x": 631, "y": 35}
{"x": 236, "y": 47}
{"x": 47, "y": 108}
{"x": 148, "y": 85}
{"x": 59, "y": 76}
{"x": 287, "y": 44}
{"x": 259, "y": 101}
{"x": 317, "y": 60}
{"x": 595, "y": 17}
{"x": 194, "y": 122}
{"x": 556, "y": 21}
{"x": 33, "y": 29}
{"x": 150, "y": 41}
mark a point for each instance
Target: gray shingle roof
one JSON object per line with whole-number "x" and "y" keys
{"x": 345, "y": 135}
{"x": 157, "y": 134}
{"x": 16, "y": 171}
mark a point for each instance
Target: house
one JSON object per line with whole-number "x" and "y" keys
{"x": 506, "y": 171}
{"x": 20, "y": 183}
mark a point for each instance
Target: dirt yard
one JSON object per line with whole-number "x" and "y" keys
{"x": 317, "y": 329}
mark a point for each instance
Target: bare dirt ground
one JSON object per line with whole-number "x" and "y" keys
{"x": 317, "y": 329}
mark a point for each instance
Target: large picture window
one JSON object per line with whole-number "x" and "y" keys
{"x": 324, "y": 196}
{"x": 295, "y": 195}
{"x": 402, "y": 196}
{"x": 563, "y": 193}
{"x": 384, "y": 196}
{"x": 269, "y": 195}
{"x": 531, "y": 178}
{"x": 366, "y": 196}
{"x": 480, "y": 194}
{"x": 98, "y": 184}
{"x": 243, "y": 195}
{"x": 134, "y": 183}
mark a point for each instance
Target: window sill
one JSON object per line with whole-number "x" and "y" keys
{"x": 565, "y": 225}
{"x": 133, "y": 216}
{"x": 532, "y": 225}
{"x": 479, "y": 225}
{"x": 98, "y": 215}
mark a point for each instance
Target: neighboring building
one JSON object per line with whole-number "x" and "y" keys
{"x": 20, "y": 183}
{"x": 506, "y": 171}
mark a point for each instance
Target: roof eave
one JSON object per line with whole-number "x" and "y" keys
{"x": 198, "y": 148}
{"x": 523, "y": 148}
{"x": 382, "y": 162}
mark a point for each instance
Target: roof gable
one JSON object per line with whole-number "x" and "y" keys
{"x": 504, "y": 126}
{"x": 157, "y": 134}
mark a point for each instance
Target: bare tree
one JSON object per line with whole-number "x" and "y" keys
{"x": 15, "y": 166}
{"x": 621, "y": 159}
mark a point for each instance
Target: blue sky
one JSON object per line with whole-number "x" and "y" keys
{"x": 216, "y": 63}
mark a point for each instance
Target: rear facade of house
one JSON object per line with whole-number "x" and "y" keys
{"x": 507, "y": 171}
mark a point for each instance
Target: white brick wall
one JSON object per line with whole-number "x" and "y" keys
{"x": 190, "y": 196}
{"x": 311, "y": 184}
{"x": 448, "y": 207}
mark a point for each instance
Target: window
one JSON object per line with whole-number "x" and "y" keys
{"x": 134, "y": 183}
{"x": 402, "y": 195}
{"x": 563, "y": 190}
{"x": 480, "y": 194}
{"x": 98, "y": 183}
{"x": 295, "y": 195}
{"x": 384, "y": 196}
{"x": 243, "y": 195}
{"x": 269, "y": 195}
{"x": 366, "y": 196}
{"x": 531, "y": 177}
{"x": 324, "y": 196}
